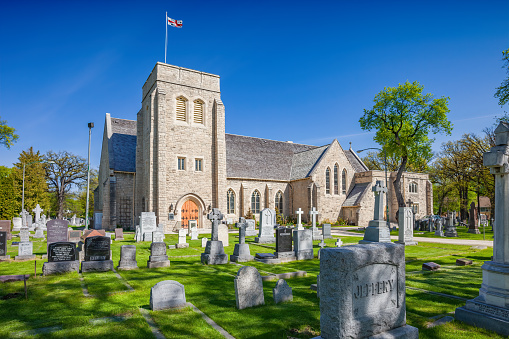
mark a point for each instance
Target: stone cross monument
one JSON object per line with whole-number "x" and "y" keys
{"x": 214, "y": 251}
{"x": 377, "y": 230}
{"x": 490, "y": 309}
{"x": 299, "y": 219}
{"x": 215, "y": 217}
{"x": 37, "y": 210}
{"x": 316, "y": 232}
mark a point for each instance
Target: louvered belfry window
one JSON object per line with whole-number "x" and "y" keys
{"x": 181, "y": 109}
{"x": 198, "y": 112}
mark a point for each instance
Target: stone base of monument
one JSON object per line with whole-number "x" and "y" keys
{"x": 377, "y": 231}
{"x": 286, "y": 256}
{"x": 158, "y": 264}
{"x": 97, "y": 266}
{"x": 60, "y": 267}
{"x": 485, "y": 316}
{"x": 214, "y": 253}
{"x": 474, "y": 231}
{"x": 25, "y": 257}
{"x": 185, "y": 245}
{"x": 127, "y": 265}
{"x": 304, "y": 255}
{"x": 450, "y": 232}
{"x": 5, "y": 257}
{"x": 407, "y": 243}
{"x": 439, "y": 233}
{"x": 403, "y": 332}
{"x": 241, "y": 253}
{"x": 265, "y": 240}
{"x": 276, "y": 258}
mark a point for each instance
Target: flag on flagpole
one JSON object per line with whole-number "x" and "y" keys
{"x": 175, "y": 23}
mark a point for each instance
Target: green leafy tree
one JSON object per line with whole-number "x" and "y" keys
{"x": 7, "y": 194}
{"x": 64, "y": 171}
{"x": 502, "y": 93}
{"x": 7, "y": 135}
{"x": 403, "y": 118}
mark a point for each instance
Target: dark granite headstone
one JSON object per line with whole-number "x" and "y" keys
{"x": 61, "y": 251}
{"x": 57, "y": 231}
{"x": 97, "y": 248}
{"x": 283, "y": 239}
{"x": 119, "y": 234}
{"x": 5, "y": 226}
{"x": 430, "y": 266}
{"x": 3, "y": 243}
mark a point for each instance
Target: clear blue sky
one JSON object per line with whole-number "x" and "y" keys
{"x": 295, "y": 70}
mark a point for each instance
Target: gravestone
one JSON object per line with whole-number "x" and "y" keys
{"x": 450, "y": 229}
{"x": 299, "y": 213}
{"x": 157, "y": 236}
{"x": 463, "y": 262}
{"x": 282, "y": 292}
{"x": 5, "y": 226}
{"x": 29, "y": 223}
{"x": 303, "y": 244}
{"x": 24, "y": 234}
{"x": 214, "y": 251}
{"x": 377, "y": 230}
{"x": 167, "y": 294}
{"x": 192, "y": 224}
{"x": 137, "y": 234}
{"x": 204, "y": 242}
{"x": 284, "y": 241}
{"x": 127, "y": 258}
{"x": 439, "y": 229}
{"x": 97, "y": 255}
{"x": 241, "y": 252}
{"x": 39, "y": 233}
{"x": 24, "y": 214}
{"x": 147, "y": 225}
{"x": 158, "y": 257}
{"x": 326, "y": 231}
{"x": 57, "y": 231}
{"x": 430, "y": 266}
{"x": 316, "y": 233}
{"x": 223, "y": 235}
{"x": 62, "y": 258}
{"x": 267, "y": 223}
{"x": 194, "y": 233}
{"x": 472, "y": 220}
{"x": 339, "y": 243}
{"x": 44, "y": 220}
{"x": 248, "y": 288}
{"x": 37, "y": 210}
{"x": 490, "y": 309}
{"x": 119, "y": 234}
{"x": 16, "y": 223}
{"x": 362, "y": 292}
{"x": 182, "y": 239}
{"x": 3, "y": 246}
{"x": 25, "y": 251}
{"x": 251, "y": 227}
{"x": 406, "y": 227}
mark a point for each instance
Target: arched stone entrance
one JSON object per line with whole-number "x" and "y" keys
{"x": 190, "y": 207}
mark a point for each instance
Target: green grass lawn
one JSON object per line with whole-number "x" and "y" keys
{"x": 58, "y": 302}
{"x": 462, "y": 234}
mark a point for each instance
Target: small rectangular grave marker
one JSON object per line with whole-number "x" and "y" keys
{"x": 430, "y": 266}
{"x": 119, "y": 234}
{"x": 463, "y": 262}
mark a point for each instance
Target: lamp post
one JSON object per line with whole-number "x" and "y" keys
{"x": 90, "y": 126}
{"x": 386, "y": 185}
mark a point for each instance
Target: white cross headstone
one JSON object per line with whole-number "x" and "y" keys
{"x": 37, "y": 210}
{"x": 299, "y": 219}
{"x": 313, "y": 214}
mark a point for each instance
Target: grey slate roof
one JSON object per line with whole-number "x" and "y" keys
{"x": 249, "y": 157}
{"x": 303, "y": 162}
{"x": 356, "y": 162}
{"x": 356, "y": 194}
{"x": 122, "y": 145}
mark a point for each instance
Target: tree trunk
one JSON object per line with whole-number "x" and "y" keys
{"x": 397, "y": 183}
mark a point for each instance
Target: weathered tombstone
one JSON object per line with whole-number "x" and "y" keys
{"x": 377, "y": 230}
{"x": 3, "y": 246}
{"x": 282, "y": 292}
{"x": 127, "y": 258}
{"x": 158, "y": 257}
{"x": 194, "y": 233}
{"x": 5, "y": 226}
{"x": 16, "y": 223}
{"x": 157, "y": 236}
{"x": 303, "y": 244}
{"x": 97, "y": 255}
{"x": 406, "y": 229}
{"x": 251, "y": 227}
{"x": 214, "y": 251}
{"x": 57, "y": 231}
{"x": 182, "y": 239}
{"x": 25, "y": 251}
{"x": 326, "y": 231}
{"x": 147, "y": 225}
{"x": 362, "y": 292}
{"x": 490, "y": 309}
{"x": 430, "y": 266}
{"x": 267, "y": 223}
{"x": 450, "y": 229}
{"x": 222, "y": 235}
{"x": 472, "y": 220}
{"x": 204, "y": 242}
{"x": 167, "y": 294}
{"x": 62, "y": 258}
{"x": 241, "y": 252}
{"x": 248, "y": 288}
{"x": 316, "y": 233}
{"x": 24, "y": 234}
{"x": 439, "y": 231}
{"x": 119, "y": 234}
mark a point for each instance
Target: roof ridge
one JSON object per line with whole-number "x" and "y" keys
{"x": 284, "y": 142}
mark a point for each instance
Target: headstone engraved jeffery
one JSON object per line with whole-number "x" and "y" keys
{"x": 248, "y": 288}
{"x": 62, "y": 258}
{"x": 473, "y": 227}
{"x": 119, "y": 234}
{"x": 251, "y": 227}
{"x": 267, "y": 223}
{"x": 316, "y": 232}
{"x": 362, "y": 292}
{"x": 223, "y": 235}
{"x": 147, "y": 225}
{"x": 158, "y": 257}
{"x": 490, "y": 309}
{"x": 167, "y": 294}
{"x": 5, "y": 226}
{"x": 303, "y": 244}
{"x": 377, "y": 230}
{"x": 25, "y": 251}
{"x": 16, "y": 223}
{"x": 326, "y": 231}
{"x": 406, "y": 229}
{"x": 282, "y": 292}
{"x": 57, "y": 231}
{"x": 182, "y": 239}
{"x": 3, "y": 246}
{"x": 450, "y": 229}
{"x": 97, "y": 255}
{"x": 214, "y": 251}
{"x": 241, "y": 252}
{"x": 127, "y": 258}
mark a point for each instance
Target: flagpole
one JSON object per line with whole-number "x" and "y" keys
{"x": 166, "y": 40}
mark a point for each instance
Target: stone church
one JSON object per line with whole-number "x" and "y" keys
{"x": 176, "y": 160}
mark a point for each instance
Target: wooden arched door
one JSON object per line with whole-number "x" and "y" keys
{"x": 189, "y": 211}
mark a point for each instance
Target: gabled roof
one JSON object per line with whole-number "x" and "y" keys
{"x": 356, "y": 162}
{"x": 304, "y": 162}
{"x": 355, "y": 196}
{"x": 122, "y": 145}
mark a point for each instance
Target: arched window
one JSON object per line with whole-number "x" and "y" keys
{"x": 279, "y": 201}
{"x": 412, "y": 187}
{"x": 255, "y": 202}
{"x": 198, "y": 112}
{"x": 230, "y": 201}
{"x": 327, "y": 181}
{"x": 181, "y": 109}
{"x": 336, "y": 169}
{"x": 343, "y": 181}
